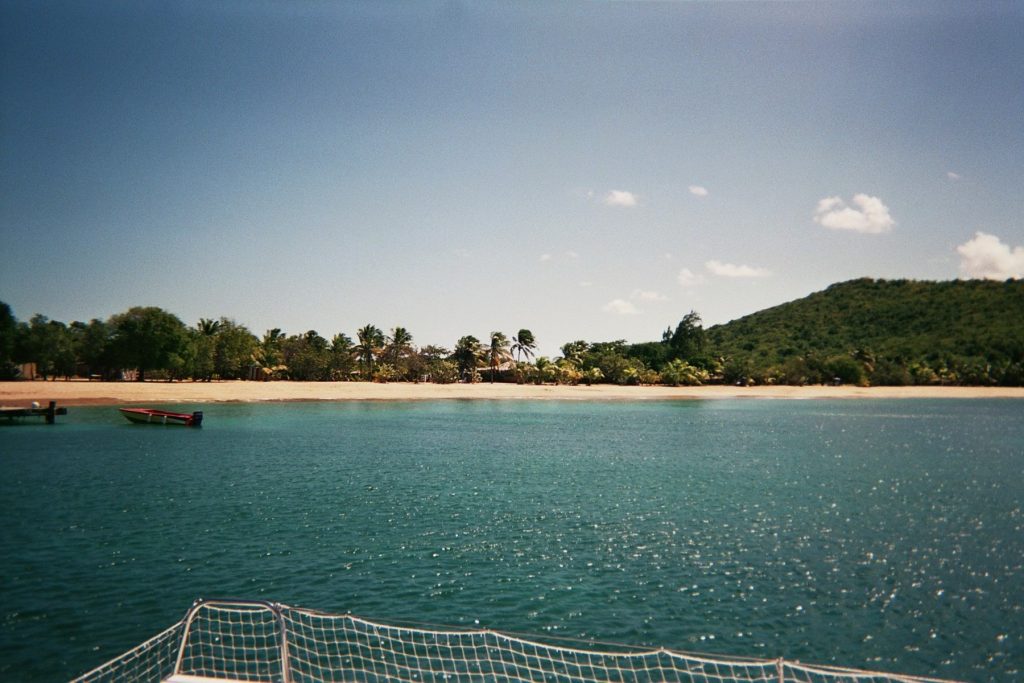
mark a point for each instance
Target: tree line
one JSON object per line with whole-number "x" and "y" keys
{"x": 864, "y": 332}
{"x": 151, "y": 343}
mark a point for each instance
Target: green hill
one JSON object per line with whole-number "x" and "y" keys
{"x": 883, "y": 332}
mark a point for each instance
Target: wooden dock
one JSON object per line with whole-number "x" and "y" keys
{"x": 50, "y": 412}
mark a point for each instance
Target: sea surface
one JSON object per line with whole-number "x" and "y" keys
{"x": 871, "y": 533}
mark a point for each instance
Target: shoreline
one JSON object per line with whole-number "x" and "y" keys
{"x": 84, "y": 392}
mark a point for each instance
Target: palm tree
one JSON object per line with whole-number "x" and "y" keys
{"x": 523, "y": 344}
{"x": 545, "y": 370}
{"x": 271, "y": 345}
{"x": 498, "y": 352}
{"x": 574, "y": 351}
{"x": 399, "y": 351}
{"x": 205, "y": 348}
{"x": 341, "y": 356}
{"x": 208, "y": 327}
{"x": 341, "y": 342}
{"x": 273, "y": 336}
{"x": 315, "y": 341}
{"x": 399, "y": 344}
{"x": 267, "y": 354}
{"x": 466, "y": 354}
{"x": 866, "y": 358}
{"x": 371, "y": 341}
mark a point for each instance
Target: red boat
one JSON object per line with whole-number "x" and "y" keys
{"x": 162, "y": 417}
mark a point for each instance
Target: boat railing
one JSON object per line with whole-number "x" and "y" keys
{"x": 264, "y": 642}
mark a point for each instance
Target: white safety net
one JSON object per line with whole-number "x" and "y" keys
{"x": 259, "y": 642}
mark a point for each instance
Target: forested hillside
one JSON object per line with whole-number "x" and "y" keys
{"x": 883, "y": 332}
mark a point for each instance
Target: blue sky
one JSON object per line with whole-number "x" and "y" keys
{"x": 585, "y": 170}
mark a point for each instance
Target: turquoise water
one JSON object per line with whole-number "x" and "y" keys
{"x": 878, "y": 534}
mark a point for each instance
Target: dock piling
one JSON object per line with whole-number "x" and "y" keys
{"x": 49, "y": 413}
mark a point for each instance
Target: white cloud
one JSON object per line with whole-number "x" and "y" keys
{"x": 687, "y": 278}
{"x": 645, "y": 295}
{"x": 462, "y": 253}
{"x": 545, "y": 257}
{"x": 953, "y": 176}
{"x": 620, "y": 307}
{"x": 698, "y": 191}
{"x": 586, "y": 283}
{"x": 732, "y": 270}
{"x": 986, "y": 256}
{"x": 620, "y": 198}
{"x": 572, "y": 254}
{"x": 871, "y": 215}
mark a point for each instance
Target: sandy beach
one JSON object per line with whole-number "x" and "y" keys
{"x": 76, "y": 392}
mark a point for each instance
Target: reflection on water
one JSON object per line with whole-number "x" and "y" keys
{"x": 876, "y": 534}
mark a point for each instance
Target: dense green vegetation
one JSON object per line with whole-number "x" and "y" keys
{"x": 859, "y": 332}
{"x": 883, "y": 332}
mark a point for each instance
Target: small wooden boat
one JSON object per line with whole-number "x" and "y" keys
{"x": 162, "y": 417}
